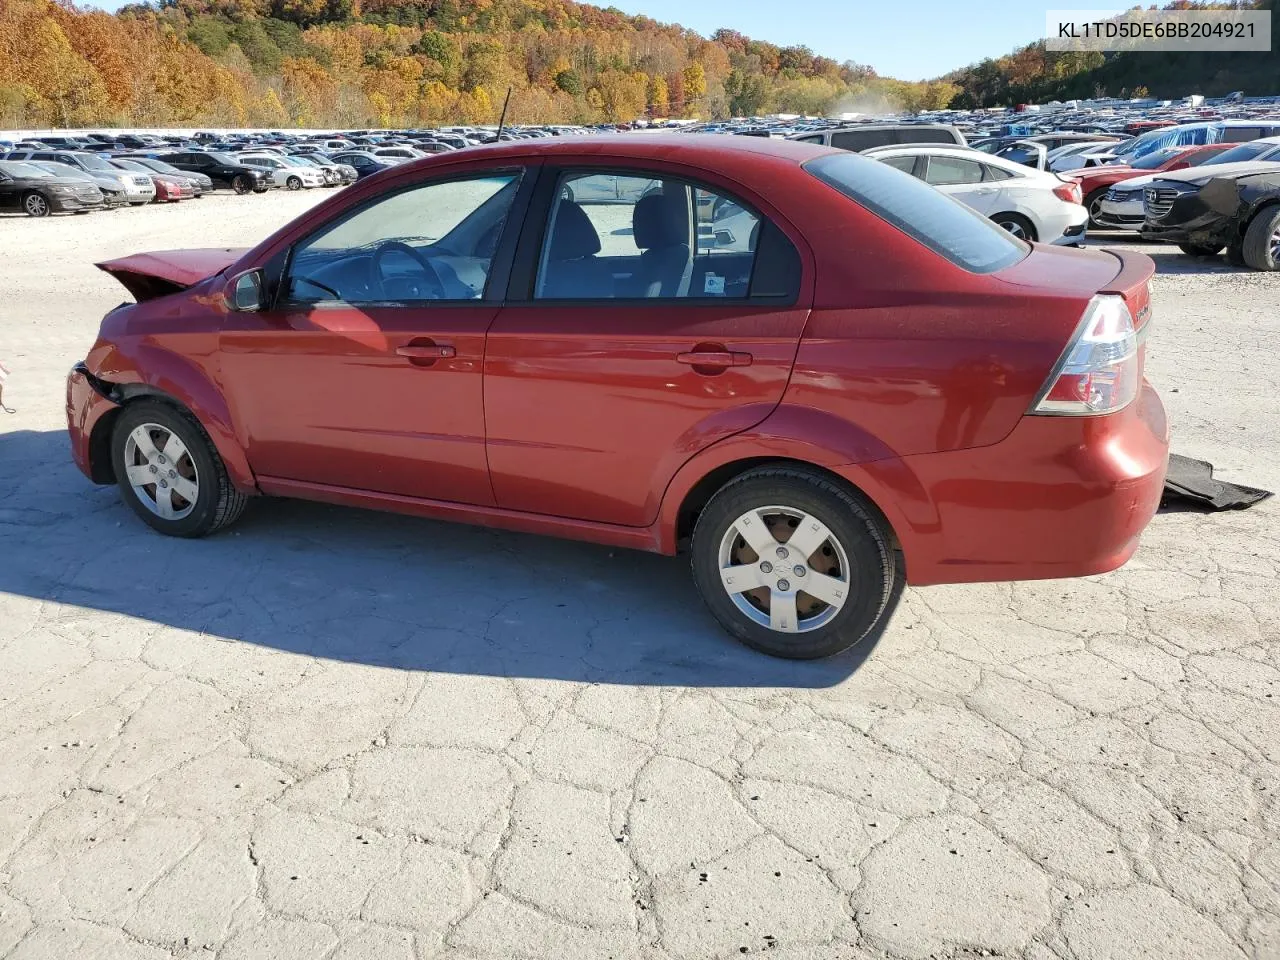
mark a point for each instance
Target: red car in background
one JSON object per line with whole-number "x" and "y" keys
{"x": 818, "y": 372}
{"x": 169, "y": 188}
{"x": 1095, "y": 181}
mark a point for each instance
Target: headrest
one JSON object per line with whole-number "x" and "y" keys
{"x": 572, "y": 235}
{"x": 660, "y": 221}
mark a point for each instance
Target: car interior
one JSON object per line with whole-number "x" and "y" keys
{"x": 639, "y": 239}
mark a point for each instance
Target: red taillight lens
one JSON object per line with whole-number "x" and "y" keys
{"x": 1070, "y": 192}
{"x": 1099, "y": 371}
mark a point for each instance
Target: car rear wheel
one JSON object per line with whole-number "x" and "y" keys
{"x": 293, "y": 183}
{"x": 242, "y": 184}
{"x": 1262, "y": 240}
{"x": 35, "y": 205}
{"x": 792, "y": 564}
{"x": 1016, "y": 224}
{"x": 170, "y": 473}
{"x": 1199, "y": 249}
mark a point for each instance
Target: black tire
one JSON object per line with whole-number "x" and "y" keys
{"x": 216, "y": 503}
{"x": 1199, "y": 250}
{"x": 36, "y": 204}
{"x": 1093, "y": 201}
{"x": 293, "y": 183}
{"x": 1016, "y": 224}
{"x": 242, "y": 184}
{"x": 1261, "y": 249}
{"x": 856, "y": 529}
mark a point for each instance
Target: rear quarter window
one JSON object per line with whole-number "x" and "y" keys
{"x": 942, "y": 224}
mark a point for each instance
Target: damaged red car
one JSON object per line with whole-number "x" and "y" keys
{"x": 816, "y": 373}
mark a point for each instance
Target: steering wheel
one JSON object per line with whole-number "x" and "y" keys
{"x": 436, "y": 289}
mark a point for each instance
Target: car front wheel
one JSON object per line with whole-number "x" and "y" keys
{"x": 293, "y": 183}
{"x": 793, "y": 564}
{"x": 35, "y": 205}
{"x": 169, "y": 471}
{"x": 242, "y": 185}
{"x": 1261, "y": 249}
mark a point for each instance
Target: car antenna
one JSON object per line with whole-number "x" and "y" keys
{"x": 502, "y": 121}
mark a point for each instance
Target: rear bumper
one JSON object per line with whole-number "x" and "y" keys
{"x": 85, "y": 409}
{"x": 1058, "y": 497}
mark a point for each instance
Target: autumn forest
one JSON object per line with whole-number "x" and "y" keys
{"x": 399, "y": 63}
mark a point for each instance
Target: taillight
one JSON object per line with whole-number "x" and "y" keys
{"x": 1068, "y": 191}
{"x": 1098, "y": 372}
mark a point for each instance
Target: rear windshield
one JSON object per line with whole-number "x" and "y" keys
{"x": 942, "y": 224}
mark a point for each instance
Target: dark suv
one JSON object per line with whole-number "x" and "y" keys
{"x": 224, "y": 170}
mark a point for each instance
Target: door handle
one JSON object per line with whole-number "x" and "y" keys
{"x": 715, "y": 358}
{"x": 434, "y": 352}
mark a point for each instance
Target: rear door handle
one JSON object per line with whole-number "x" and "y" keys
{"x": 435, "y": 352}
{"x": 715, "y": 358}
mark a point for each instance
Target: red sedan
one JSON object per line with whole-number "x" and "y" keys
{"x": 1095, "y": 181}
{"x": 817, "y": 371}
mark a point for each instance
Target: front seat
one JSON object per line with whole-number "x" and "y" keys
{"x": 660, "y": 228}
{"x": 571, "y": 270}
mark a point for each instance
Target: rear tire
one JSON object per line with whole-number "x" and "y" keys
{"x": 1199, "y": 250}
{"x": 847, "y": 554}
{"x": 1261, "y": 249}
{"x": 1016, "y": 224}
{"x": 155, "y": 444}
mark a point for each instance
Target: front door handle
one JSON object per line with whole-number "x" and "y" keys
{"x": 422, "y": 352}
{"x": 715, "y": 358}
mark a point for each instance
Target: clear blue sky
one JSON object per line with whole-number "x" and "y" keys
{"x": 907, "y": 39}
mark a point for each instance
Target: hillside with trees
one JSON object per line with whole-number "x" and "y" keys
{"x": 1032, "y": 74}
{"x": 402, "y": 63}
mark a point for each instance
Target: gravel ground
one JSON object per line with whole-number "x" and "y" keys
{"x": 334, "y": 734}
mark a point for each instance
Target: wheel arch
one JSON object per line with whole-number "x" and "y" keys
{"x": 704, "y": 489}
{"x": 1263, "y": 208}
{"x": 175, "y": 381}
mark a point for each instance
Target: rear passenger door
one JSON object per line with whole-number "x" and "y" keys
{"x": 648, "y": 317}
{"x": 962, "y": 178}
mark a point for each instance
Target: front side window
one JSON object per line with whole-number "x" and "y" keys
{"x": 431, "y": 242}
{"x": 938, "y": 221}
{"x": 628, "y": 236}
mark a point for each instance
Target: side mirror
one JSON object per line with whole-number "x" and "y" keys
{"x": 246, "y": 292}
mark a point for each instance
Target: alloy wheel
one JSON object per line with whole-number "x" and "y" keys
{"x": 1014, "y": 227}
{"x": 784, "y": 569}
{"x": 161, "y": 471}
{"x": 36, "y": 205}
{"x": 1275, "y": 246}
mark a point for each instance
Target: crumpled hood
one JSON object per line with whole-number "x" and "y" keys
{"x": 155, "y": 274}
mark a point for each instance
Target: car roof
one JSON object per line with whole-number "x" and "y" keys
{"x": 695, "y": 149}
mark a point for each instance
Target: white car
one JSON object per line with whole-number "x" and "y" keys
{"x": 284, "y": 171}
{"x": 1029, "y": 203}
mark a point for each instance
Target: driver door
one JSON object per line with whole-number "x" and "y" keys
{"x": 365, "y": 374}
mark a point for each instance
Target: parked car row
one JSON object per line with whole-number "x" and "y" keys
{"x": 1208, "y": 186}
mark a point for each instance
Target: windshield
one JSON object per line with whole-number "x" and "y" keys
{"x": 15, "y": 168}
{"x": 130, "y": 165}
{"x": 94, "y": 162}
{"x": 60, "y": 169}
{"x": 1153, "y": 160}
{"x": 941, "y": 223}
{"x": 225, "y": 159}
{"x": 1246, "y": 151}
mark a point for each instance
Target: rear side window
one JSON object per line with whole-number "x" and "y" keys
{"x": 946, "y": 171}
{"x": 862, "y": 139}
{"x": 942, "y": 224}
{"x": 927, "y": 136}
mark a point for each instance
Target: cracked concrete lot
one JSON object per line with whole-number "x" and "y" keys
{"x": 334, "y": 735}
